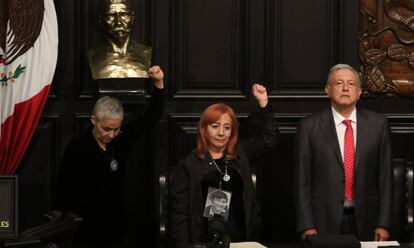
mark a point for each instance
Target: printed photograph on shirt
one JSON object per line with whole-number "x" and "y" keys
{"x": 217, "y": 203}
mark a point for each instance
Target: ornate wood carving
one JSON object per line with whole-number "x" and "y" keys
{"x": 386, "y": 46}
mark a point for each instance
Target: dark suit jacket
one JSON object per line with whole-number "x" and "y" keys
{"x": 319, "y": 178}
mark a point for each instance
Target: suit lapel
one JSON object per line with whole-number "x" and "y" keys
{"x": 362, "y": 127}
{"x": 327, "y": 126}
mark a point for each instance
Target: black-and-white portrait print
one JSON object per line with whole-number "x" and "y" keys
{"x": 217, "y": 203}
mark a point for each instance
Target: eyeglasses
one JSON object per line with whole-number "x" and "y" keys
{"x": 341, "y": 84}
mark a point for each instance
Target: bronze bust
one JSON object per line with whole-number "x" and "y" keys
{"x": 118, "y": 56}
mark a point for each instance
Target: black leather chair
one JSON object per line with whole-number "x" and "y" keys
{"x": 402, "y": 203}
{"x": 163, "y": 184}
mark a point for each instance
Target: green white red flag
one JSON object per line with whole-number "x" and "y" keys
{"x": 28, "y": 56}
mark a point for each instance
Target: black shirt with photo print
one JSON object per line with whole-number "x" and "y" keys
{"x": 236, "y": 216}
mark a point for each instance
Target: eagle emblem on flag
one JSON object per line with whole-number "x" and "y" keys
{"x": 28, "y": 57}
{"x": 24, "y": 18}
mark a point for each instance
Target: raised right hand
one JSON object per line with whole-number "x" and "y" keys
{"x": 308, "y": 232}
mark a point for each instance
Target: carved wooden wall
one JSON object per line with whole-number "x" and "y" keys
{"x": 210, "y": 51}
{"x": 386, "y": 46}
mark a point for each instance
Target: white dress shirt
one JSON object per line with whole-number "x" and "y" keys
{"x": 341, "y": 127}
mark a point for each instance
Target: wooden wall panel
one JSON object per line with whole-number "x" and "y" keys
{"x": 302, "y": 44}
{"x": 208, "y": 48}
{"x": 183, "y": 130}
{"x": 37, "y": 173}
{"x": 277, "y": 170}
{"x": 349, "y": 19}
{"x": 402, "y": 129}
{"x": 211, "y": 51}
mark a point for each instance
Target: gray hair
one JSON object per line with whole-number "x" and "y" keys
{"x": 343, "y": 66}
{"x": 108, "y": 107}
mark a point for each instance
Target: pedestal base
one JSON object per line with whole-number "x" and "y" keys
{"x": 126, "y": 89}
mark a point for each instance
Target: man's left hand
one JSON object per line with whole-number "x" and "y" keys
{"x": 157, "y": 74}
{"x": 381, "y": 234}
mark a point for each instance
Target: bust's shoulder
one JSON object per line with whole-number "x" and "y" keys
{"x": 97, "y": 49}
{"x": 142, "y": 46}
{"x": 136, "y": 46}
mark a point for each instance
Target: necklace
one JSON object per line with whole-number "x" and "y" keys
{"x": 226, "y": 176}
{"x": 113, "y": 165}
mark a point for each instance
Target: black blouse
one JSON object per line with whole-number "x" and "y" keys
{"x": 101, "y": 196}
{"x": 236, "y": 216}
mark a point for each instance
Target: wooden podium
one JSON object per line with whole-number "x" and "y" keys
{"x": 8, "y": 207}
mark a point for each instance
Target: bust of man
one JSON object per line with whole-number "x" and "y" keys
{"x": 118, "y": 56}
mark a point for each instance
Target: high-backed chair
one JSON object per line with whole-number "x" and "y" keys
{"x": 163, "y": 183}
{"x": 402, "y": 203}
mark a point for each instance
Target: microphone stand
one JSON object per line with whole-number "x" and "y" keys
{"x": 219, "y": 241}
{"x": 216, "y": 243}
{"x": 217, "y": 231}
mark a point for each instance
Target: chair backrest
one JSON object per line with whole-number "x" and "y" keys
{"x": 399, "y": 210}
{"x": 409, "y": 199}
{"x": 402, "y": 221}
{"x": 163, "y": 184}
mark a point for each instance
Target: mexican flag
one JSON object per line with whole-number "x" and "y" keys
{"x": 28, "y": 55}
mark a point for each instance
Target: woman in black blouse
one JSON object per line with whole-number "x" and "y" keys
{"x": 219, "y": 162}
{"x": 96, "y": 175}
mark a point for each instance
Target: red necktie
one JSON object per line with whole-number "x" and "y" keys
{"x": 349, "y": 161}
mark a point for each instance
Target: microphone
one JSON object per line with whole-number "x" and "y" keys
{"x": 217, "y": 233}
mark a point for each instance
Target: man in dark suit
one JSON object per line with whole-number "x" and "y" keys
{"x": 343, "y": 171}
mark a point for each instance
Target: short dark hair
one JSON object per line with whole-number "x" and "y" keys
{"x": 218, "y": 194}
